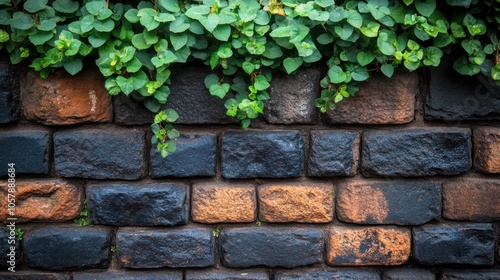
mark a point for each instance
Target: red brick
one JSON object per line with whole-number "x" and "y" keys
{"x": 297, "y": 202}
{"x": 43, "y": 200}
{"x": 223, "y": 203}
{"x": 487, "y": 149}
{"x": 381, "y": 101}
{"x": 472, "y": 200}
{"x": 363, "y": 246}
{"x": 63, "y": 99}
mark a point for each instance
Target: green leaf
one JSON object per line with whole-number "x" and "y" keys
{"x": 131, "y": 15}
{"x": 210, "y": 22}
{"x": 292, "y": 63}
{"x": 164, "y": 17}
{"x": 459, "y": 3}
{"x": 172, "y": 115}
{"x": 464, "y": 67}
{"x": 324, "y": 3}
{"x": 65, "y": 6}
{"x": 354, "y": 18}
{"x": 152, "y": 104}
{"x": 170, "y": 5}
{"x": 104, "y": 26}
{"x": 73, "y": 66}
{"x": 46, "y": 25}
{"x": 178, "y": 40}
{"x": 387, "y": 69}
{"x": 371, "y": 29}
{"x": 34, "y": 6}
{"x": 219, "y": 90}
{"x": 95, "y": 7}
{"x": 225, "y": 51}
{"x": 139, "y": 42}
{"x": 147, "y": 18}
{"x": 40, "y": 38}
{"x": 22, "y": 21}
{"x": 248, "y": 67}
{"x": 133, "y": 65}
{"x": 197, "y": 12}
{"x": 178, "y": 25}
{"x": 210, "y": 80}
{"x": 471, "y": 46}
{"x": 432, "y": 56}
{"x": 222, "y": 32}
{"x": 365, "y": 58}
{"x": 385, "y": 42}
{"x": 96, "y": 41}
{"x": 360, "y": 74}
{"x": 87, "y": 23}
{"x": 495, "y": 72}
{"x": 344, "y": 31}
{"x": 261, "y": 83}
{"x": 125, "y": 84}
{"x": 272, "y": 51}
{"x": 336, "y": 75}
{"x": 425, "y": 7}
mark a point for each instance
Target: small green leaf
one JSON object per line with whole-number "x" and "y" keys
{"x": 261, "y": 82}
{"x": 172, "y": 115}
{"x": 210, "y": 22}
{"x": 425, "y": 7}
{"x": 354, "y": 18}
{"x": 248, "y": 67}
{"x": 170, "y": 5}
{"x": 34, "y": 6}
{"x": 104, "y": 26}
{"x": 65, "y": 6}
{"x": 96, "y": 41}
{"x": 131, "y": 15}
{"x": 178, "y": 25}
{"x": 22, "y": 21}
{"x": 152, "y": 104}
{"x": 40, "y": 38}
{"x": 222, "y": 32}
{"x": 198, "y": 12}
{"x": 178, "y": 40}
{"x": 365, "y": 58}
{"x": 210, "y": 80}
{"x": 387, "y": 69}
{"x": 46, "y": 25}
{"x": 292, "y": 63}
{"x": 73, "y": 66}
{"x": 219, "y": 90}
{"x": 336, "y": 75}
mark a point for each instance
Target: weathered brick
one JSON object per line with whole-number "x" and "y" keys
{"x": 361, "y": 246}
{"x": 270, "y": 154}
{"x": 9, "y": 241}
{"x": 44, "y": 200}
{"x": 33, "y": 275}
{"x": 129, "y": 275}
{"x": 138, "y": 205}
{"x": 293, "y": 98}
{"x": 337, "y": 274}
{"x": 9, "y": 94}
{"x": 454, "y": 97}
{"x": 62, "y": 99}
{"x": 223, "y": 203}
{"x": 333, "y": 153}
{"x": 154, "y": 248}
{"x": 271, "y": 247}
{"x": 487, "y": 149}
{"x": 471, "y": 244}
{"x": 408, "y": 274}
{"x": 67, "y": 247}
{"x": 195, "y": 156}
{"x": 188, "y": 97}
{"x": 471, "y": 199}
{"x": 476, "y": 274}
{"x": 381, "y": 101}
{"x": 296, "y": 202}
{"x": 221, "y": 274}
{"x": 28, "y": 149}
{"x": 416, "y": 152}
{"x": 392, "y": 202}
{"x": 100, "y": 153}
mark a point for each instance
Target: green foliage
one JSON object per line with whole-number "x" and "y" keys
{"x": 244, "y": 42}
{"x": 84, "y": 219}
{"x": 19, "y": 234}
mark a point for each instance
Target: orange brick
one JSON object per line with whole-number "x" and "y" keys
{"x": 223, "y": 203}
{"x": 487, "y": 149}
{"x": 43, "y": 200}
{"x": 298, "y": 202}
{"x": 362, "y": 246}
{"x": 472, "y": 200}
{"x": 63, "y": 99}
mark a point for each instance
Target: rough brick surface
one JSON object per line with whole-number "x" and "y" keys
{"x": 296, "y": 202}
{"x": 408, "y": 274}
{"x": 392, "y": 202}
{"x": 472, "y": 200}
{"x": 28, "y": 149}
{"x": 416, "y": 152}
{"x": 471, "y": 244}
{"x": 100, "y": 153}
{"x": 223, "y": 203}
{"x": 337, "y": 274}
{"x": 487, "y": 149}
{"x": 454, "y": 97}
{"x": 293, "y": 98}
{"x": 476, "y": 274}
{"x": 9, "y": 241}
{"x": 195, "y": 156}
{"x": 139, "y": 275}
{"x": 380, "y": 101}
{"x": 63, "y": 99}
{"x": 271, "y": 247}
{"x": 138, "y": 205}
{"x": 9, "y": 94}
{"x": 44, "y": 200}
{"x": 270, "y": 154}
{"x": 65, "y": 247}
{"x": 358, "y": 246}
{"x": 333, "y": 153}
{"x": 154, "y": 248}
{"x": 221, "y": 274}
{"x": 30, "y": 275}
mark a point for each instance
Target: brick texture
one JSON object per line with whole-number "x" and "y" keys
{"x": 223, "y": 203}
{"x": 337, "y": 274}
{"x": 63, "y": 99}
{"x": 408, "y": 274}
{"x": 227, "y": 275}
{"x": 28, "y": 149}
{"x": 487, "y": 149}
{"x": 50, "y": 200}
{"x": 135, "y": 275}
{"x": 477, "y": 274}
{"x": 472, "y": 199}
{"x": 393, "y": 202}
{"x": 361, "y": 246}
{"x": 8, "y": 257}
{"x": 296, "y": 202}
{"x": 9, "y": 94}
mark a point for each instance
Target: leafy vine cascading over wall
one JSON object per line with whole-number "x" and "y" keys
{"x": 134, "y": 44}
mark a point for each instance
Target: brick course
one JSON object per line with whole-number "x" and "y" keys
{"x": 487, "y": 149}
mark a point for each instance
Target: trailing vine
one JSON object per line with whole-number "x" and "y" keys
{"x": 245, "y": 41}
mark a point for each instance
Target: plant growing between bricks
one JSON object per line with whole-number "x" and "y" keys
{"x": 134, "y": 46}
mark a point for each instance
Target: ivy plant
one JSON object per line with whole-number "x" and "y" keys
{"x": 134, "y": 44}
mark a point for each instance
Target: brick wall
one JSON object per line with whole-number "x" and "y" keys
{"x": 400, "y": 182}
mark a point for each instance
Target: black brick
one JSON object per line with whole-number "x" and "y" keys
{"x": 28, "y": 149}
{"x": 339, "y": 274}
{"x": 293, "y": 98}
{"x": 63, "y": 247}
{"x": 269, "y": 154}
{"x": 9, "y": 94}
{"x": 100, "y": 154}
{"x": 471, "y": 275}
{"x": 195, "y": 156}
{"x": 408, "y": 274}
{"x": 138, "y": 205}
{"x": 454, "y": 97}
{"x": 333, "y": 153}
{"x": 416, "y": 152}
{"x": 221, "y": 274}
{"x": 130, "y": 275}
{"x": 33, "y": 275}
{"x": 471, "y": 244}
{"x": 272, "y": 247}
{"x": 154, "y": 248}
{"x": 6, "y": 259}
